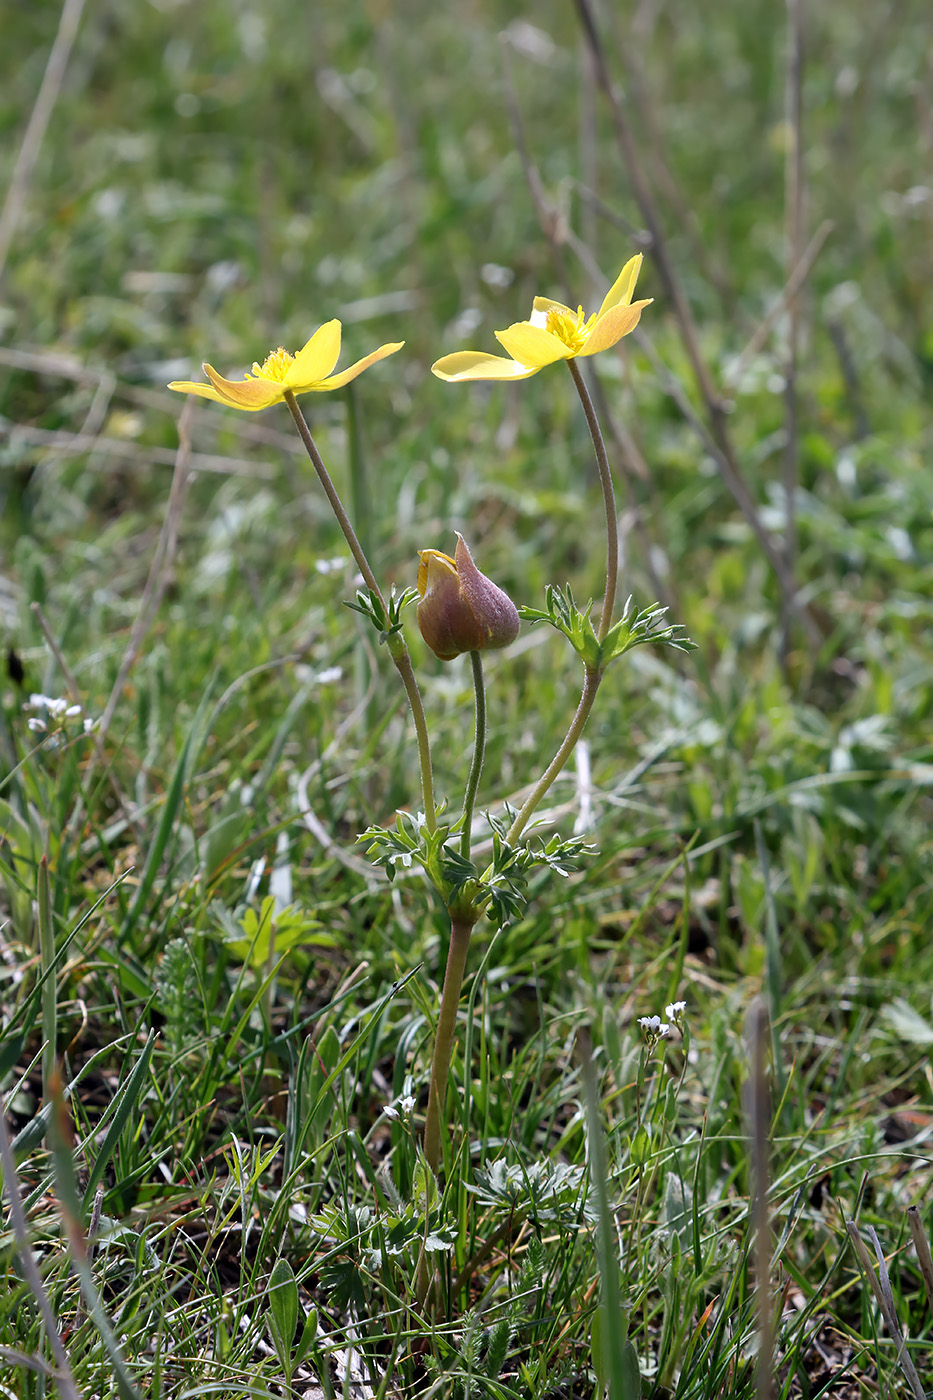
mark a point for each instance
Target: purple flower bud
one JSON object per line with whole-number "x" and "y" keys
{"x": 461, "y": 609}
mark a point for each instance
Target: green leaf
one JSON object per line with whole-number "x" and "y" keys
{"x": 386, "y": 620}
{"x": 423, "y": 1187}
{"x": 10, "y": 1053}
{"x": 283, "y": 1311}
{"x": 308, "y": 1334}
{"x": 265, "y": 932}
{"x": 319, "y": 1099}
{"x": 637, "y": 629}
{"x": 500, "y": 1334}
{"x": 440, "y": 1239}
{"x": 640, "y": 1149}
{"x": 563, "y": 614}
{"x": 123, "y": 1104}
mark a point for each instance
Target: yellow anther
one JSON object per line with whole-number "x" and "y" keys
{"x": 572, "y": 330}
{"x": 275, "y": 365}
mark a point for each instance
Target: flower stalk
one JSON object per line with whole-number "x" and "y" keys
{"x": 330, "y": 491}
{"x": 479, "y": 752}
{"x": 591, "y": 679}
{"x": 592, "y": 674}
{"x": 395, "y": 642}
{"x": 609, "y": 499}
{"x": 461, "y": 926}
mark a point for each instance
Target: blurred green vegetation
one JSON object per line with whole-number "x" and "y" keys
{"x": 219, "y": 179}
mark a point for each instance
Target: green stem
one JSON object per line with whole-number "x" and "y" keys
{"x": 399, "y": 653}
{"x": 593, "y": 675}
{"x": 479, "y": 750}
{"x": 591, "y": 679}
{"x": 330, "y": 491}
{"x": 609, "y": 500}
{"x": 396, "y": 644}
{"x": 268, "y": 991}
{"x": 460, "y": 930}
{"x": 47, "y": 964}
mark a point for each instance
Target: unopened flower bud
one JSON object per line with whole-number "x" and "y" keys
{"x": 461, "y": 609}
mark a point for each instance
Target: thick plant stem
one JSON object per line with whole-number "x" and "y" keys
{"x": 460, "y": 930}
{"x": 479, "y": 750}
{"x": 591, "y": 680}
{"x": 396, "y": 643}
{"x": 609, "y": 499}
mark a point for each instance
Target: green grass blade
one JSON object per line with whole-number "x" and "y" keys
{"x": 125, "y": 1103}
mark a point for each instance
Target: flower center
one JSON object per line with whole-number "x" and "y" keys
{"x": 274, "y": 366}
{"x": 572, "y": 330}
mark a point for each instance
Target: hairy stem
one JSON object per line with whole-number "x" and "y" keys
{"x": 479, "y": 750}
{"x": 591, "y": 680}
{"x": 399, "y": 653}
{"x": 609, "y": 499}
{"x": 460, "y": 930}
{"x": 396, "y": 643}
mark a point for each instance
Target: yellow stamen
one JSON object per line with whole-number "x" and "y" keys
{"x": 572, "y": 330}
{"x": 274, "y": 366}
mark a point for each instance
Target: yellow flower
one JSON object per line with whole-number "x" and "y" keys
{"x": 461, "y": 609}
{"x": 553, "y": 333}
{"x": 308, "y": 371}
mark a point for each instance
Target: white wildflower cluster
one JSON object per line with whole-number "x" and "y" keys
{"x": 655, "y": 1029}
{"x": 405, "y": 1105}
{"x": 51, "y": 711}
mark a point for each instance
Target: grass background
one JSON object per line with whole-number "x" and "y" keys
{"x": 216, "y": 181}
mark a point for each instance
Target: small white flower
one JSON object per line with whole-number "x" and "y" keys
{"x": 38, "y": 726}
{"x": 674, "y": 1011}
{"x": 405, "y": 1105}
{"x": 53, "y": 707}
{"x": 654, "y": 1028}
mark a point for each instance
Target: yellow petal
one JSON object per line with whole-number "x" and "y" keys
{"x": 337, "y": 381}
{"x": 476, "y": 364}
{"x": 623, "y": 288}
{"x": 445, "y": 619}
{"x": 433, "y": 564}
{"x": 533, "y": 346}
{"x": 544, "y": 304}
{"x": 316, "y": 360}
{"x": 248, "y": 394}
{"x": 203, "y": 391}
{"x": 612, "y": 326}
